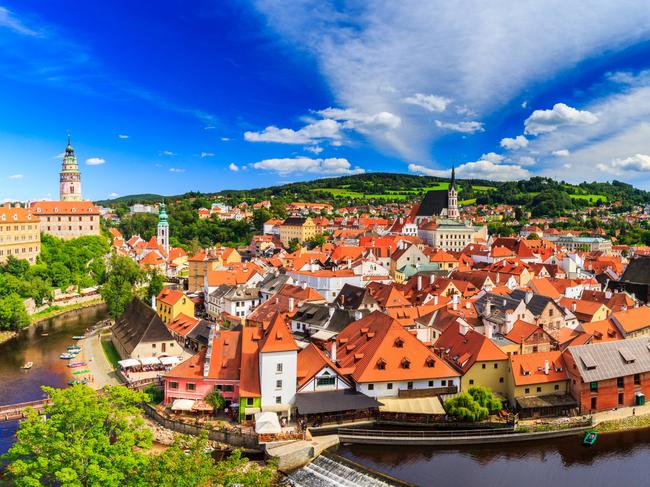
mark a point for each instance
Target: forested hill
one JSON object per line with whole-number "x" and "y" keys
{"x": 406, "y": 187}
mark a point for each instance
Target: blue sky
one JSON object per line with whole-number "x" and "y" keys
{"x": 173, "y": 96}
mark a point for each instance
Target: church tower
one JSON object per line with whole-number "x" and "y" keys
{"x": 70, "y": 177}
{"x": 452, "y": 198}
{"x": 163, "y": 229}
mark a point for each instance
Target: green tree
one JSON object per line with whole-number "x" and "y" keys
{"x": 122, "y": 277}
{"x": 294, "y": 244}
{"x": 474, "y": 405}
{"x": 87, "y": 439}
{"x": 15, "y": 267}
{"x": 155, "y": 286}
{"x": 13, "y": 315}
{"x": 216, "y": 400}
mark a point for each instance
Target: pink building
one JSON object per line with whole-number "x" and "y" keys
{"x": 214, "y": 368}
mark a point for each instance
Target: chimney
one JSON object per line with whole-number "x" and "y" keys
{"x": 624, "y": 308}
{"x": 432, "y": 278}
{"x": 435, "y": 300}
{"x": 357, "y": 315}
{"x": 153, "y": 302}
{"x": 547, "y": 367}
{"x": 331, "y": 311}
{"x": 468, "y": 305}
{"x": 608, "y": 294}
{"x": 463, "y": 328}
{"x": 419, "y": 282}
{"x": 488, "y": 332}
{"x": 529, "y": 296}
{"x": 454, "y": 305}
{"x": 291, "y": 304}
{"x": 574, "y": 305}
{"x": 333, "y": 352}
{"x": 488, "y": 307}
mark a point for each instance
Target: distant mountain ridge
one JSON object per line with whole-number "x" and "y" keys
{"x": 401, "y": 187}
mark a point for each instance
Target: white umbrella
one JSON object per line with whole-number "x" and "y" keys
{"x": 267, "y": 423}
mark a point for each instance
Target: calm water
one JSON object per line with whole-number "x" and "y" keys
{"x": 17, "y": 385}
{"x": 619, "y": 459}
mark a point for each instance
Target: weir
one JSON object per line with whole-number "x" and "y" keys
{"x": 332, "y": 471}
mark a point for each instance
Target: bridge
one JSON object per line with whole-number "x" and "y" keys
{"x": 12, "y": 412}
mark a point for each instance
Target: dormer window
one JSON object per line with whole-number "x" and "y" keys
{"x": 406, "y": 363}
{"x": 381, "y": 364}
{"x": 430, "y": 362}
{"x": 399, "y": 343}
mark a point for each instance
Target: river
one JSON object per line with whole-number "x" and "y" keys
{"x": 615, "y": 459}
{"x": 18, "y": 385}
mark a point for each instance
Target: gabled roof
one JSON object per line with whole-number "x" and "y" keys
{"x": 602, "y": 361}
{"x": 377, "y": 348}
{"x": 139, "y": 324}
{"x": 278, "y": 338}
{"x": 536, "y": 303}
{"x": 633, "y": 319}
{"x": 311, "y": 360}
{"x": 249, "y": 384}
{"x": 353, "y": 297}
{"x": 638, "y": 270}
{"x": 522, "y": 330}
{"x": 544, "y": 287}
{"x": 464, "y": 350}
{"x": 183, "y": 324}
{"x": 530, "y": 368}
{"x": 170, "y": 296}
{"x": 433, "y": 203}
{"x": 387, "y": 295}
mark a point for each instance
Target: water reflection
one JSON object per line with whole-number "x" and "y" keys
{"x": 616, "y": 458}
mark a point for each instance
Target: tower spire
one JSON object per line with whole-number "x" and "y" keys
{"x": 452, "y": 184}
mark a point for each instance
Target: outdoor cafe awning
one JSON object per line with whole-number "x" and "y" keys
{"x": 267, "y": 423}
{"x": 183, "y": 405}
{"x": 149, "y": 361}
{"x": 415, "y": 405}
{"x": 333, "y": 401}
{"x": 170, "y": 360}
{"x": 202, "y": 406}
{"x": 129, "y": 362}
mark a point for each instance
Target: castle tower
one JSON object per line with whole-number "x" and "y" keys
{"x": 69, "y": 177}
{"x": 452, "y": 198}
{"x": 163, "y": 229}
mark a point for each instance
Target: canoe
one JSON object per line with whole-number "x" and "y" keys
{"x": 67, "y": 356}
{"x": 28, "y": 365}
{"x": 79, "y": 337}
{"x": 72, "y": 348}
{"x": 590, "y": 438}
{"x": 77, "y": 364}
{"x": 77, "y": 372}
{"x": 77, "y": 382}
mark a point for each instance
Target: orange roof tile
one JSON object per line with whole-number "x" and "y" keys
{"x": 529, "y": 368}
{"x": 278, "y": 338}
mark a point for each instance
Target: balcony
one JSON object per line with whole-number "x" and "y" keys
{"x": 429, "y": 392}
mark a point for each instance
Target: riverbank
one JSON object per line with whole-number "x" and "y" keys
{"x": 52, "y": 312}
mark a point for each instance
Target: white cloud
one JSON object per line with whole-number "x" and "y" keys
{"x": 477, "y": 170}
{"x": 225, "y": 139}
{"x": 113, "y": 195}
{"x": 543, "y": 121}
{"x": 176, "y": 169}
{"x": 431, "y": 103}
{"x": 314, "y": 149}
{"x": 635, "y": 163}
{"x": 310, "y": 134}
{"x": 518, "y": 142}
{"x": 493, "y": 157}
{"x": 233, "y": 167}
{"x": 307, "y": 165}
{"x": 122, "y": 136}
{"x": 207, "y": 154}
{"x": 60, "y": 155}
{"x": 95, "y": 161}
{"x": 526, "y": 161}
{"x": 362, "y": 122}
{"x": 561, "y": 153}
{"x": 463, "y": 127}
{"x": 8, "y": 21}
{"x": 483, "y": 56}
{"x": 16, "y": 176}
{"x": 167, "y": 153}
{"x": 209, "y": 127}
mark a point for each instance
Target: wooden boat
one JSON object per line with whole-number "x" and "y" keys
{"x": 73, "y": 348}
{"x": 79, "y": 337}
{"x": 67, "y": 356}
{"x": 28, "y": 365}
{"x": 76, "y": 364}
{"x": 590, "y": 438}
{"x": 77, "y": 382}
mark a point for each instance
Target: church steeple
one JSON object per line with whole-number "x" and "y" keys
{"x": 452, "y": 197}
{"x": 163, "y": 228}
{"x": 452, "y": 184}
{"x": 69, "y": 177}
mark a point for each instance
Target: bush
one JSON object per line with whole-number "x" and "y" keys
{"x": 154, "y": 394}
{"x": 474, "y": 405}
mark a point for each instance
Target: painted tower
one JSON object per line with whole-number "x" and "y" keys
{"x": 452, "y": 199}
{"x": 163, "y": 229}
{"x": 70, "y": 177}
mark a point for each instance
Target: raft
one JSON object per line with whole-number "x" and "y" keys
{"x": 590, "y": 438}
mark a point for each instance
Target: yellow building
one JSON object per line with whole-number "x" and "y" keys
{"x": 481, "y": 362}
{"x": 20, "y": 234}
{"x": 297, "y": 228}
{"x": 170, "y": 303}
{"x": 538, "y": 384}
{"x": 203, "y": 260}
